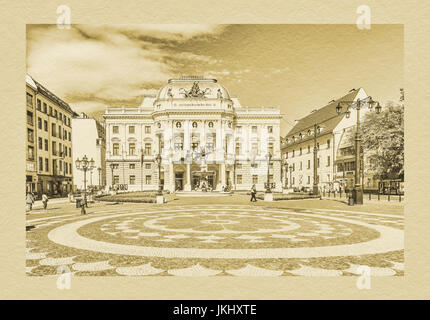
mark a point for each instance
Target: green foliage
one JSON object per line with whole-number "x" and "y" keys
{"x": 383, "y": 140}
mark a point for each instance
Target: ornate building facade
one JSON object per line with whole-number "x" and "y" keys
{"x": 49, "y": 141}
{"x": 199, "y": 135}
{"x": 335, "y": 149}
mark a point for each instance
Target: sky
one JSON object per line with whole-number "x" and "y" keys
{"x": 297, "y": 68}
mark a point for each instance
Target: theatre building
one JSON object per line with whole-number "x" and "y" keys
{"x": 199, "y": 135}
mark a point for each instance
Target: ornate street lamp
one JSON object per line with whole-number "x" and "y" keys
{"x": 357, "y": 191}
{"x": 315, "y": 189}
{"x": 84, "y": 165}
{"x": 160, "y": 187}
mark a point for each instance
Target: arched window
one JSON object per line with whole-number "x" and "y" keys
{"x": 178, "y": 124}
{"x": 211, "y": 124}
{"x": 194, "y": 124}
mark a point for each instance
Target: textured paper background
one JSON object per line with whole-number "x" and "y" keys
{"x": 15, "y": 15}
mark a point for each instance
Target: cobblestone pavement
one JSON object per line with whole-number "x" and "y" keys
{"x": 188, "y": 238}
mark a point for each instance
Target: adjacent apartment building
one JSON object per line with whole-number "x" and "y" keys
{"x": 335, "y": 148}
{"x": 203, "y": 135}
{"x": 88, "y": 138}
{"x": 49, "y": 166}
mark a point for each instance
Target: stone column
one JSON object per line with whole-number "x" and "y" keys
{"x": 187, "y": 186}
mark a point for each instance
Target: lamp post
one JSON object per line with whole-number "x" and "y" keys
{"x": 84, "y": 165}
{"x": 315, "y": 189}
{"x": 158, "y": 159}
{"x": 357, "y": 191}
{"x": 268, "y": 196}
{"x": 160, "y": 187}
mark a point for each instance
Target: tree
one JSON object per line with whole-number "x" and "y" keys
{"x": 382, "y": 137}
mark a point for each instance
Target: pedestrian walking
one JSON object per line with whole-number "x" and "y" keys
{"x": 45, "y": 201}
{"x": 253, "y": 193}
{"x": 29, "y": 200}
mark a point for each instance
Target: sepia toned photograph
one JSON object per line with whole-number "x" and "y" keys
{"x": 198, "y": 150}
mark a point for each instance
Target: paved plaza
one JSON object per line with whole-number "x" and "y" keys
{"x": 212, "y": 236}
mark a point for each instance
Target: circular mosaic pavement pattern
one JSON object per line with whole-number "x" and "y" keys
{"x": 224, "y": 234}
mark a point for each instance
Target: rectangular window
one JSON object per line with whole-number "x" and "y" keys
{"x": 50, "y": 111}
{"x": 56, "y": 114}
{"x": 30, "y": 153}
{"x": 328, "y": 161}
{"x": 45, "y": 108}
{"x": 309, "y": 164}
{"x": 40, "y": 164}
{"x": 131, "y": 129}
{"x": 54, "y": 147}
{"x": 61, "y": 165}
{"x": 147, "y": 129}
{"x": 40, "y": 143}
{"x": 309, "y": 149}
{"x": 39, "y": 106}
{"x": 132, "y": 166}
{"x": 116, "y": 149}
{"x": 46, "y": 145}
{"x": 46, "y": 164}
{"x": 30, "y": 118}
{"x": 61, "y": 117}
{"x": 59, "y": 132}
{"x": 132, "y": 179}
{"x": 29, "y": 99}
{"x": 39, "y": 123}
{"x": 115, "y": 179}
{"x": 53, "y": 131}
{"x": 293, "y": 154}
{"x": 30, "y": 135}
{"x": 328, "y": 144}
{"x": 309, "y": 179}
{"x": 148, "y": 149}
{"x": 270, "y": 129}
{"x": 239, "y": 179}
{"x": 147, "y": 166}
{"x": 147, "y": 179}
{"x": 45, "y": 125}
{"x": 70, "y": 136}
{"x": 131, "y": 149}
{"x": 115, "y": 129}
{"x": 255, "y": 179}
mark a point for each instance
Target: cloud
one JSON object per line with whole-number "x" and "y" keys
{"x": 96, "y": 65}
